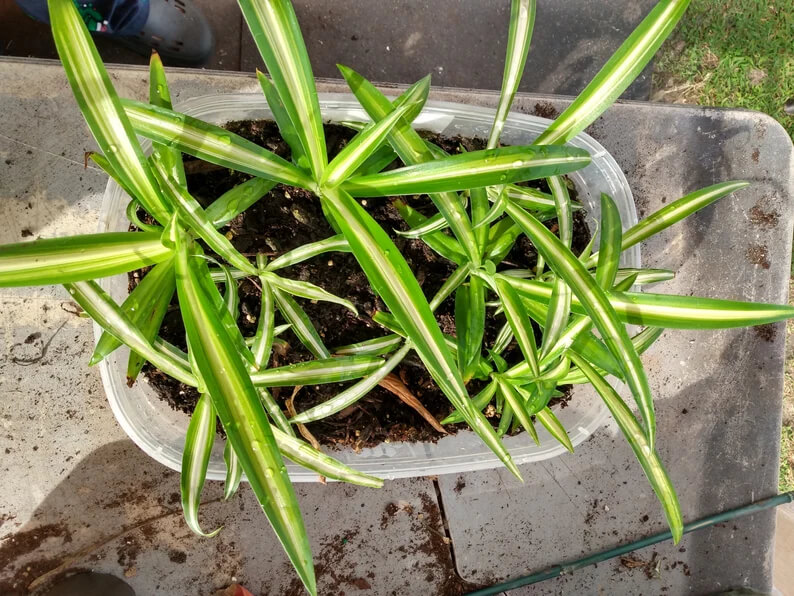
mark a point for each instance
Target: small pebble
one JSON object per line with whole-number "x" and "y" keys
{"x": 364, "y": 202}
{"x": 330, "y": 263}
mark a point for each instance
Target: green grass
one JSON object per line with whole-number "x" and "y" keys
{"x": 731, "y": 53}
{"x": 786, "y": 460}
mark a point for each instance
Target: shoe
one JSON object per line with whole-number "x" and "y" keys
{"x": 177, "y": 30}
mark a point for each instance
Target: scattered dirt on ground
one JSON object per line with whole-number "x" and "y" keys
{"x": 460, "y": 484}
{"x": 758, "y": 254}
{"x": 755, "y": 155}
{"x": 290, "y": 217}
{"x": 764, "y": 219}
{"x": 545, "y": 110}
{"x": 15, "y": 548}
{"x": 650, "y": 568}
{"x": 766, "y": 332}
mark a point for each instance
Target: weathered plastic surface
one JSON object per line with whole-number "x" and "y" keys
{"x": 72, "y": 480}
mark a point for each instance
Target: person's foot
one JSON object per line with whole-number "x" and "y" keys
{"x": 177, "y": 30}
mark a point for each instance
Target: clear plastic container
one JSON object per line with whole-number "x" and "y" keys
{"x": 160, "y": 431}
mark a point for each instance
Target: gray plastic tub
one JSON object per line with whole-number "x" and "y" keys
{"x": 160, "y": 431}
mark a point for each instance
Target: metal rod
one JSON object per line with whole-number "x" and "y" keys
{"x": 571, "y": 566}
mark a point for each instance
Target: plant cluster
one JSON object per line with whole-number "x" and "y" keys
{"x": 582, "y": 303}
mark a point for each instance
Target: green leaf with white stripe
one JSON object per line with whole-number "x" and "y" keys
{"x": 371, "y": 347}
{"x": 237, "y": 199}
{"x": 597, "y": 306}
{"x": 469, "y": 325}
{"x": 195, "y": 461}
{"x": 673, "y": 213}
{"x": 101, "y": 107}
{"x": 392, "y": 279}
{"x": 302, "y": 326}
{"x": 648, "y": 458}
{"x": 470, "y": 170}
{"x": 412, "y": 149}
{"x": 669, "y": 310}
{"x": 317, "y": 372}
{"x": 49, "y": 261}
{"x": 160, "y": 95}
{"x": 285, "y": 127}
{"x": 517, "y": 406}
{"x": 360, "y": 147}
{"x": 609, "y": 244}
{"x": 307, "y": 251}
{"x": 547, "y": 418}
{"x": 522, "y": 21}
{"x": 235, "y": 399}
{"x": 307, "y": 290}
{"x": 353, "y": 393}
{"x": 519, "y": 324}
{"x": 196, "y": 219}
{"x": 145, "y": 306}
{"x": 444, "y": 245}
{"x": 307, "y": 456}
{"x": 278, "y": 38}
{"x": 617, "y": 74}
{"x": 212, "y": 143}
{"x": 234, "y": 472}
{"x": 107, "y": 314}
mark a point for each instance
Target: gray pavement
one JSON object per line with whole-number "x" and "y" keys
{"x": 76, "y": 492}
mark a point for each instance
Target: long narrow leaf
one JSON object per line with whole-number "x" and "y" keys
{"x": 393, "y": 281}
{"x": 49, "y": 261}
{"x": 522, "y": 21}
{"x": 367, "y": 141}
{"x": 160, "y": 95}
{"x": 234, "y": 471}
{"x": 547, "y": 418}
{"x": 316, "y": 372}
{"x": 609, "y": 246}
{"x": 519, "y": 324}
{"x": 235, "y": 399}
{"x": 412, "y": 149}
{"x": 598, "y": 307}
{"x": 617, "y": 74}
{"x": 195, "y": 460}
{"x": 302, "y": 326}
{"x": 285, "y": 126}
{"x": 671, "y": 311}
{"x": 275, "y": 30}
{"x": 469, "y": 325}
{"x": 101, "y": 107}
{"x": 196, "y": 219}
{"x": 304, "y": 454}
{"x": 354, "y": 393}
{"x": 371, "y": 347}
{"x": 674, "y": 212}
{"x": 647, "y": 457}
{"x": 469, "y": 170}
{"x": 307, "y": 251}
{"x": 307, "y": 290}
{"x": 211, "y": 143}
{"x": 107, "y": 314}
{"x": 237, "y": 199}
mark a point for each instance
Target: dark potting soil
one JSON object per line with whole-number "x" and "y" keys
{"x": 290, "y": 217}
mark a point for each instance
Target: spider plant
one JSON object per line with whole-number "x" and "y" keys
{"x": 580, "y": 304}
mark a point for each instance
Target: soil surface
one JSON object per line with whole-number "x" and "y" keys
{"x": 290, "y": 217}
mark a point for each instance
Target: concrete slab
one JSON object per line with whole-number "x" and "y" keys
{"x": 81, "y": 493}
{"x": 462, "y": 44}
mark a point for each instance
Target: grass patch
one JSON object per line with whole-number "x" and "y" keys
{"x": 786, "y": 460}
{"x": 731, "y": 53}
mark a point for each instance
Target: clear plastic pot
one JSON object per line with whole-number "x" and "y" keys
{"x": 160, "y": 431}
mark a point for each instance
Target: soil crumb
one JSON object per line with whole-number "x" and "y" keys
{"x": 758, "y": 254}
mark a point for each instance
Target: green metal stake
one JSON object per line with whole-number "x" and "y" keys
{"x": 572, "y": 566}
